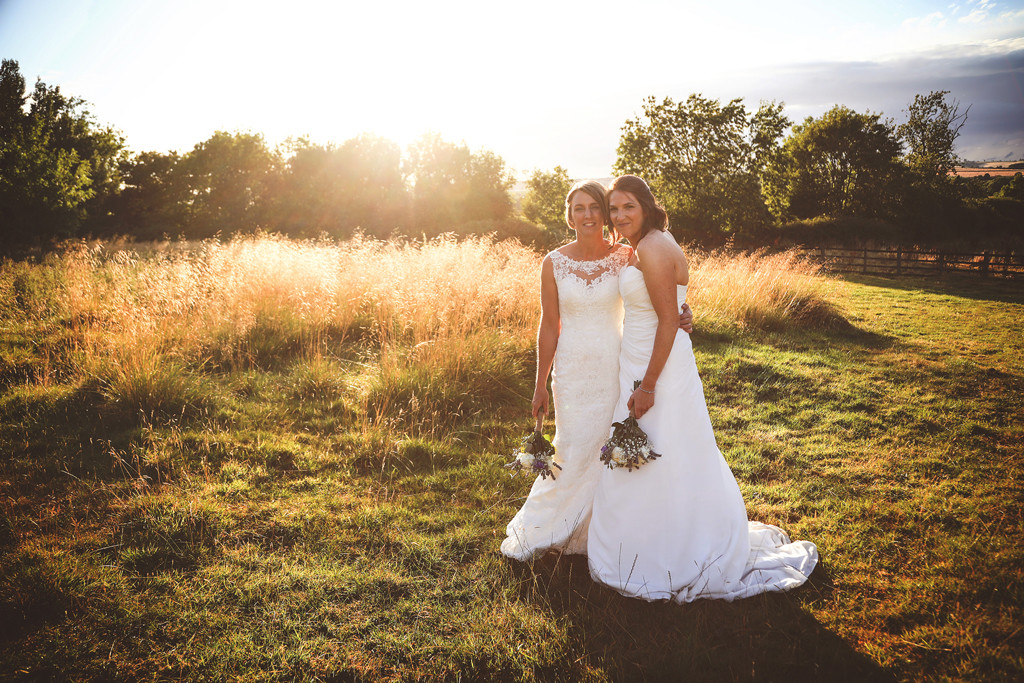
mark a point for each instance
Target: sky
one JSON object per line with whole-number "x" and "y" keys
{"x": 539, "y": 82}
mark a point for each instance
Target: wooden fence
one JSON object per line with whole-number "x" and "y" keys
{"x": 909, "y": 261}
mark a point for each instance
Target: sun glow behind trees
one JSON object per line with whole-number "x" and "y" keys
{"x": 540, "y": 83}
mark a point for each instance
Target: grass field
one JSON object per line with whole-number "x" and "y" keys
{"x": 265, "y": 459}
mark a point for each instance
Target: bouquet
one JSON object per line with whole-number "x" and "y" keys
{"x": 627, "y": 447}
{"x": 535, "y": 454}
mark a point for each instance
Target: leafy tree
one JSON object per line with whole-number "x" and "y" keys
{"x": 154, "y": 199}
{"x": 704, "y": 160}
{"x": 544, "y": 202}
{"x": 12, "y": 99}
{"x": 358, "y": 184}
{"x": 1013, "y": 189}
{"x": 229, "y": 180}
{"x": 932, "y": 127}
{"x": 68, "y": 125}
{"x": 452, "y": 186}
{"x": 56, "y": 163}
{"x": 841, "y": 164}
{"x": 932, "y": 205}
{"x": 43, "y": 189}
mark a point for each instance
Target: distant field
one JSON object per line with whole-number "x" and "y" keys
{"x": 971, "y": 171}
{"x": 276, "y": 460}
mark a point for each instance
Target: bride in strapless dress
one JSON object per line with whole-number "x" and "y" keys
{"x": 677, "y": 528}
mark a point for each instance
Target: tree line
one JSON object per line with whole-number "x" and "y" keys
{"x": 723, "y": 173}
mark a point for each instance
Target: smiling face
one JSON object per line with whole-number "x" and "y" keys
{"x": 627, "y": 214}
{"x": 586, "y": 212}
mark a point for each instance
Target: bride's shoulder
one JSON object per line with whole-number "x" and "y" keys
{"x": 658, "y": 240}
{"x": 622, "y": 250}
{"x": 560, "y": 252}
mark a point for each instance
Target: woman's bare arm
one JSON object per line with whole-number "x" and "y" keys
{"x": 659, "y": 266}
{"x": 547, "y": 336}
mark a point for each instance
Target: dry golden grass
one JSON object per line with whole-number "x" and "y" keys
{"x": 190, "y": 299}
{"x": 187, "y": 299}
{"x": 439, "y": 321}
{"x": 760, "y": 289}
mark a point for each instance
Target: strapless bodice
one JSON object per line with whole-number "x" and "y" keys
{"x": 640, "y": 320}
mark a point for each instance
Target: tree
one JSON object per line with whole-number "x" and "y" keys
{"x": 55, "y": 161}
{"x": 544, "y": 202}
{"x": 932, "y": 127}
{"x": 229, "y": 179}
{"x": 932, "y": 204}
{"x": 154, "y": 198}
{"x": 1013, "y": 189}
{"x": 12, "y": 99}
{"x": 704, "y": 160}
{"x": 452, "y": 186}
{"x": 841, "y": 164}
{"x": 338, "y": 189}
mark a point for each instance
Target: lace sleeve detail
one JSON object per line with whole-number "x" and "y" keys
{"x": 561, "y": 263}
{"x": 620, "y": 257}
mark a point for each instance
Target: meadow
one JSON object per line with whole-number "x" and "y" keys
{"x": 269, "y": 459}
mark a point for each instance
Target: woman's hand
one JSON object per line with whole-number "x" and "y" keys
{"x": 686, "y": 319}
{"x": 640, "y": 402}
{"x": 540, "y": 401}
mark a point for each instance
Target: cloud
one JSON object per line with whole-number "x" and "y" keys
{"x": 975, "y": 17}
{"x": 933, "y": 20}
{"x": 987, "y": 77}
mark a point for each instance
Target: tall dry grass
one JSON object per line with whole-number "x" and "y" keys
{"x": 148, "y": 322}
{"x": 214, "y": 297}
{"x": 446, "y": 324}
{"x": 760, "y": 290}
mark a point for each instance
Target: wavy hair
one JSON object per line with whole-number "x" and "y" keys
{"x": 655, "y": 217}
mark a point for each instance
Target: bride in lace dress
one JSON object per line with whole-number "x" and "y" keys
{"x": 676, "y": 528}
{"x": 579, "y": 335}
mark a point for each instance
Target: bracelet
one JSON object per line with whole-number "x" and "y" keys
{"x": 645, "y": 391}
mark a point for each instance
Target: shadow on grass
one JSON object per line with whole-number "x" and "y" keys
{"x": 974, "y": 287}
{"x": 765, "y": 637}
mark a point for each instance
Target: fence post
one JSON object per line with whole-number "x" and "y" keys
{"x": 899, "y": 259}
{"x": 938, "y": 260}
{"x": 1006, "y": 263}
{"x": 865, "y": 269}
{"x": 984, "y": 263}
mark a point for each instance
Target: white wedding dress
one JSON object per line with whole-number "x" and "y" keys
{"x": 584, "y": 386}
{"x": 677, "y": 527}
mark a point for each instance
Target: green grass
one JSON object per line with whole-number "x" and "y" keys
{"x": 336, "y": 515}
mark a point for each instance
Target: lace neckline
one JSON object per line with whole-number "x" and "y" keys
{"x": 590, "y": 273}
{"x": 588, "y": 264}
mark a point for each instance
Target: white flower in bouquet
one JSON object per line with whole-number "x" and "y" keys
{"x": 627, "y": 447}
{"x": 535, "y": 455}
{"x": 525, "y": 459}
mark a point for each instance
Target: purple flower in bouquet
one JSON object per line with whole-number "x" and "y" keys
{"x": 535, "y": 454}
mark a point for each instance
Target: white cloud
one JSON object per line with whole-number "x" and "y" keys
{"x": 975, "y": 17}
{"x": 933, "y": 20}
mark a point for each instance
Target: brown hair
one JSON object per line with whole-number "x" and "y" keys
{"x": 655, "y": 217}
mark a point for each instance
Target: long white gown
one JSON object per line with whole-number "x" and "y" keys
{"x": 677, "y": 529}
{"x": 584, "y": 387}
